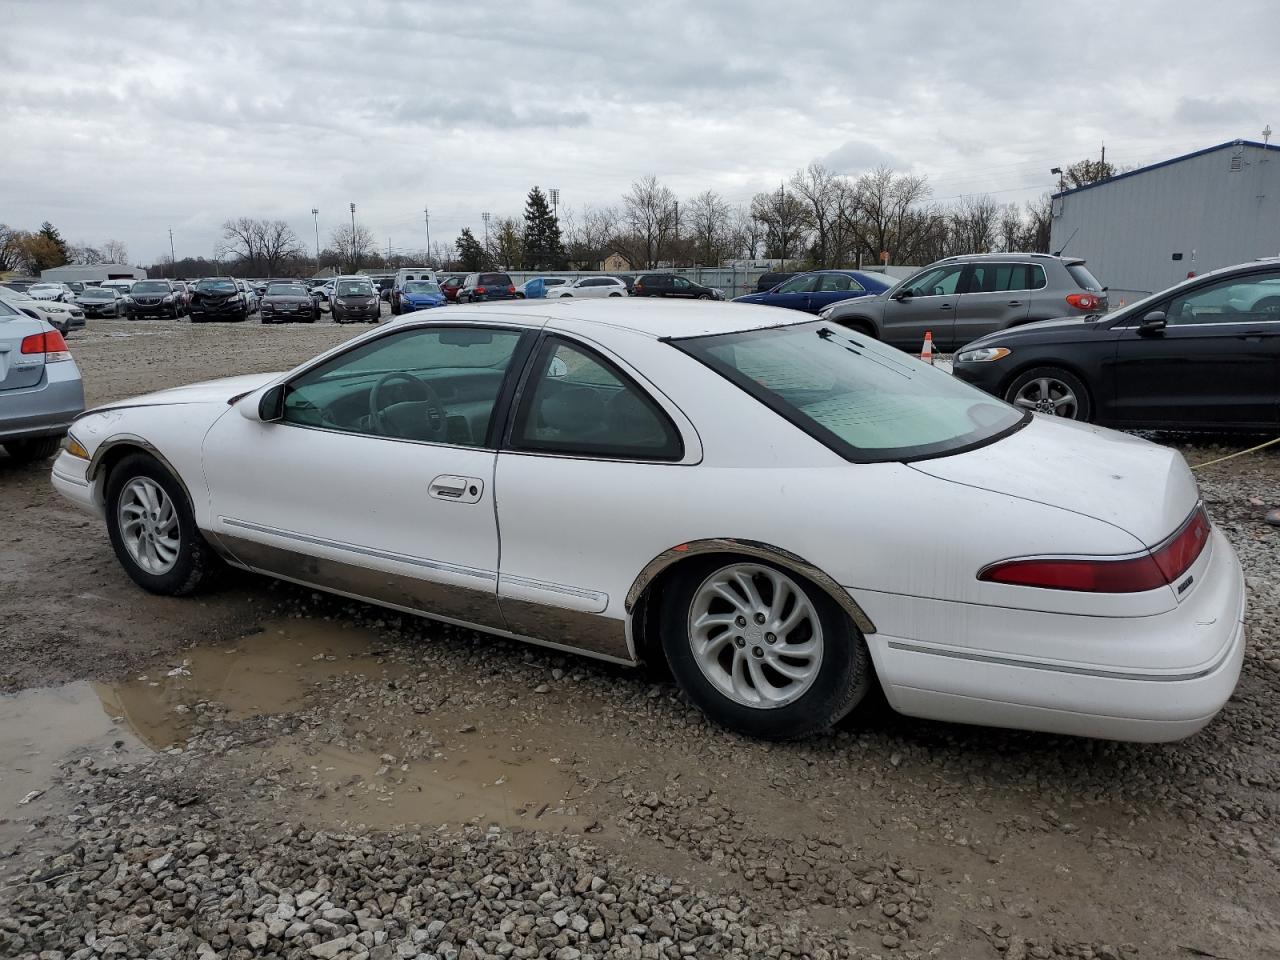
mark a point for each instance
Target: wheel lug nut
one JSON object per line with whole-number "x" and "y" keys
{"x": 770, "y": 638}
{"x": 739, "y": 641}
{"x": 757, "y": 652}
{"x": 741, "y": 621}
{"x": 759, "y": 618}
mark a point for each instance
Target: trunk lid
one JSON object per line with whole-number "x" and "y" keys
{"x": 1134, "y": 484}
{"x": 18, "y": 370}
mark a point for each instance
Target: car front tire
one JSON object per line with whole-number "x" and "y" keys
{"x": 153, "y": 530}
{"x": 1051, "y": 390}
{"x": 761, "y": 650}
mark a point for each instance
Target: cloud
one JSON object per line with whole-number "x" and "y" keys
{"x": 174, "y": 113}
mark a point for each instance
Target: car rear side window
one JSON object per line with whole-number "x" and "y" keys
{"x": 1002, "y": 277}
{"x": 577, "y": 403}
{"x": 1083, "y": 278}
{"x": 837, "y": 283}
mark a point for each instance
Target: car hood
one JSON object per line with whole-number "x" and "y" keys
{"x": 1138, "y": 486}
{"x": 1036, "y": 330}
{"x": 209, "y": 391}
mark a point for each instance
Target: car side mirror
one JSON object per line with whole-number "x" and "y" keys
{"x": 1153, "y": 322}
{"x": 902, "y": 295}
{"x": 268, "y": 409}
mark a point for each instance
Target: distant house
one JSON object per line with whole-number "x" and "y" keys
{"x": 92, "y": 273}
{"x": 616, "y": 262}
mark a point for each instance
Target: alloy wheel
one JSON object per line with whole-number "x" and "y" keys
{"x": 1049, "y": 395}
{"x": 149, "y": 525}
{"x": 755, "y": 635}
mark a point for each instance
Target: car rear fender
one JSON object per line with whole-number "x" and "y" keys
{"x": 658, "y": 570}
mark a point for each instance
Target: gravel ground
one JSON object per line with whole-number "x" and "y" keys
{"x": 296, "y": 775}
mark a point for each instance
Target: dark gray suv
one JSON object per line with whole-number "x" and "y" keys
{"x": 959, "y": 299}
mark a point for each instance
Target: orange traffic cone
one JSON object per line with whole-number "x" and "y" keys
{"x": 926, "y": 352}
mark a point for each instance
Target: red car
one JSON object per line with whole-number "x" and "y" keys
{"x": 450, "y": 286}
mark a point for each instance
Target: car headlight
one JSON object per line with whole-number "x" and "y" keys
{"x": 373, "y": 301}
{"x": 983, "y": 355}
{"x": 168, "y": 298}
{"x": 128, "y": 299}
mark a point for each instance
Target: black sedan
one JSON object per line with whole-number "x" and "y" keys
{"x": 1204, "y": 354}
{"x": 288, "y": 302}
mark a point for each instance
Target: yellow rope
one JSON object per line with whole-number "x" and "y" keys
{"x": 1239, "y": 453}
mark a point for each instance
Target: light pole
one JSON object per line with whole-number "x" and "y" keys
{"x": 1062, "y": 180}
{"x": 315, "y": 213}
{"x": 554, "y": 193}
{"x": 485, "y": 217}
{"x": 172, "y": 259}
{"x": 426, "y": 217}
{"x": 355, "y": 254}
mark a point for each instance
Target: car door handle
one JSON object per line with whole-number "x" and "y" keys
{"x": 460, "y": 489}
{"x": 1253, "y": 336}
{"x": 1015, "y": 303}
{"x": 944, "y": 306}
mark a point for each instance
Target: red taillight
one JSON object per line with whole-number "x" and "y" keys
{"x": 50, "y": 344}
{"x": 511, "y": 288}
{"x": 481, "y": 290}
{"x": 1161, "y": 567}
{"x": 1084, "y": 301}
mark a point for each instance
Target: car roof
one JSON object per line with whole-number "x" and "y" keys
{"x": 659, "y": 320}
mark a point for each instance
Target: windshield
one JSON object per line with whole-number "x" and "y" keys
{"x": 98, "y": 293}
{"x": 217, "y": 286}
{"x": 421, "y": 286}
{"x": 866, "y": 401}
{"x": 355, "y": 288}
{"x": 150, "y": 286}
{"x": 286, "y": 290}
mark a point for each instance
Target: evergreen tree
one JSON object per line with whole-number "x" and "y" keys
{"x": 56, "y": 251}
{"x": 471, "y": 252}
{"x": 543, "y": 248}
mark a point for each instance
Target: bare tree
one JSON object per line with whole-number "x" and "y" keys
{"x": 650, "y": 213}
{"x": 974, "y": 224}
{"x": 590, "y": 234}
{"x": 277, "y": 244}
{"x": 115, "y": 252}
{"x": 746, "y": 233}
{"x": 888, "y": 217}
{"x": 1039, "y": 224}
{"x": 12, "y": 254}
{"x": 708, "y": 219}
{"x": 84, "y": 253}
{"x": 506, "y": 243}
{"x": 786, "y": 222}
{"x": 823, "y": 196}
{"x": 352, "y": 245}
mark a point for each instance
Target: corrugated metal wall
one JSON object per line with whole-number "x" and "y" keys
{"x": 1128, "y": 229}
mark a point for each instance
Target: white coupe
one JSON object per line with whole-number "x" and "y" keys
{"x": 784, "y": 511}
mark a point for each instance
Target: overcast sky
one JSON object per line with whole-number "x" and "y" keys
{"x": 123, "y": 120}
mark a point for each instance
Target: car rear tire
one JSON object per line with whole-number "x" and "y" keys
{"x": 153, "y": 530}
{"x": 1051, "y": 390}
{"x": 761, "y": 650}
{"x": 29, "y": 451}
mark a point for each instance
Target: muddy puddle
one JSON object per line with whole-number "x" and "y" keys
{"x": 388, "y": 772}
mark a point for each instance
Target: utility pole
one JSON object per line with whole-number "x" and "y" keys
{"x": 675, "y": 247}
{"x": 426, "y": 217}
{"x": 315, "y": 212}
{"x": 1103, "y": 172}
{"x": 173, "y": 265}
{"x": 355, "y": 254}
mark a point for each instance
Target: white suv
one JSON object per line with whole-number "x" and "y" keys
{"x": 590, "y": 287}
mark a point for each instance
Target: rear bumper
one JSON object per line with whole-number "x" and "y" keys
{"x": 46, "y": 409}
{"x": 964, "y": 663}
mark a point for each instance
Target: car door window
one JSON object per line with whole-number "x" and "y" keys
{"x": 1253, "y": 299}
{"x": 796, "y": 285}
{"x": 681, "y": 285}
{"x": 435, "y": 385}
{"x": 837, "y": 283}
{"x": 577, "y": 403}
{"x": 938, "y": 282}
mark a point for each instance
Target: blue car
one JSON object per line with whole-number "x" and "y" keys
{"x": 421, "y": 295}
{"x": 814, "y": 291}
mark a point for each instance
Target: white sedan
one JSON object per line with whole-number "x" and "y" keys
{"x": 589, "y": 287}
{"x": 784, "y": 511}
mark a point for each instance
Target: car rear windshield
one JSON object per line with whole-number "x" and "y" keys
{"x": 866, "y": 401}
{"x": 286, "y": 290}
{"x": 217, "y": 286}
{"x": 151, "y": 286}
{"x": 1083, "y": 278}
{"x": 494, "y": 280}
